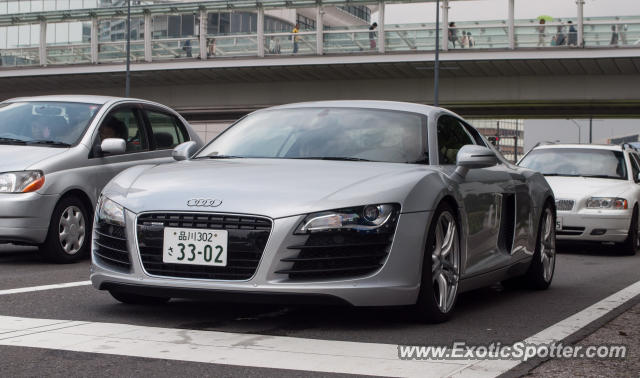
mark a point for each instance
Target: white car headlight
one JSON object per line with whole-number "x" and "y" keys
{"x": 21, "y": 182}
{"x": 362, "y": 218}
{"x": 607, "y": 203}
{"x": 110, "y": 212}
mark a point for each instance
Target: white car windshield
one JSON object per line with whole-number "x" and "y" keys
{"x": 325, "y": 133}
{"x": 583, "y": 162}
{"x": 46, "y": 123}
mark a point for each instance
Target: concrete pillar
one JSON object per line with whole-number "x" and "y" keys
{"x": 511, "y": 23}
{"x": 203, "y": 34}
{"x": 580, "y": 4}
{"x": 94, "y": 40}
{"x": 381, "y": 39}
{"x": 260, "y": 26}
{"x": 148, "y": 51}
{"x": 445, "y": 25}
{"x": 42, "y": 51}
{"x": 319, "y": 31}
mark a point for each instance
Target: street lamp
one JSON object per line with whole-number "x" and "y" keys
{"x": 578, "y": 126}
{"x": 127, "y": 82}
{"x": 436, "y": 64}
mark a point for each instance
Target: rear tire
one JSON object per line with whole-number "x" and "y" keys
{"x": 540, "y": 273}
{"x": 630, "y": 246}
{"x": 440, "y": 268}
{"x": 69, "y": 235}
{"x": 135, "y": 299}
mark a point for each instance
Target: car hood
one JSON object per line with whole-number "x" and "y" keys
{"x": 270, "y": 187}
{"x": 19, "y": 158}
{"x": 580, "y": 187}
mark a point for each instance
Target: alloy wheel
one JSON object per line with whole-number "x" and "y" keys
{"x": 445, "y": 258}
{"x": 548, "y": 245}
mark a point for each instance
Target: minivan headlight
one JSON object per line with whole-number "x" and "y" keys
{"x": 110, "y": 212}
{"x": 21, "y": 181}
{"x": 607, "y": 203}
{"x": 362, "y": 218}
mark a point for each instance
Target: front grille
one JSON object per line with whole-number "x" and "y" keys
{"x": 568, "y": 230}
{"x": 341, "y": 254}
{"x": 111, "y": 246}
{"x": 247, "y": 239}
{"x": 564, "y": 205}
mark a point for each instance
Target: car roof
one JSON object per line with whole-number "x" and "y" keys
{"x": 88, "y": 99}
{"x": 610, "y": 147}
{"x": 367, "y": 104}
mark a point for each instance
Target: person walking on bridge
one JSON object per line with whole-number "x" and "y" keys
{"x": 573, "y": 34}
{"x": 295, "y": 37}
{"x": 372, "y": 35}
{"x": 541, "y": 32}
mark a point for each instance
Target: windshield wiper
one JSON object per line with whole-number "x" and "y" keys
{"x": 12, "y": 141}
{"x": 50, "y": 142}
{"x": 220, "y": 157}
{"x": 338, "y": 158}
{"x": 603, "y": 176}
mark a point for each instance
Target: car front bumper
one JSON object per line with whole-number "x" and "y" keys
{"x": 25, "y": 217}
{"x": 396, "y": 283}
{"x": 589, "y": 224}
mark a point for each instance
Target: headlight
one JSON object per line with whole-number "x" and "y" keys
{"x": 21, "y": 182}
{"x": 607, "y": 203}
{"x": 110, "y": 212}
{"x": 363, "y": 218}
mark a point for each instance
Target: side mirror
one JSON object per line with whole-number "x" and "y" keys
{"x": 113, "y": 146}
{"x": 473, "y": 157}
{"x": 184, "y": 151}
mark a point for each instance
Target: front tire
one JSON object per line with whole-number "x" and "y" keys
{"x": 440, "y": 268}
{"x": 543, "y": 263}
{"x": 69, "y": 234}
{"x": 135, "y": 299}
{"x": 630, "y": 246}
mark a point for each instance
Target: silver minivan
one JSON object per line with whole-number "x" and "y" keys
{"x": 58, "y": 152}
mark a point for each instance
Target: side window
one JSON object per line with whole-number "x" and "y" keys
{"x": 474, "y": 134}
{"x": 124, "y": 123}
{"x": 168, "y": 131}
{"x": 635, "y": 169}
{"x": 451, "y": 137}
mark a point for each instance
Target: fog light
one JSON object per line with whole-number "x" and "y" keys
{"x": 598, "y": 231}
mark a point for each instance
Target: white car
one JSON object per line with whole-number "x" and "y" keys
{"x": 596, "y": 188}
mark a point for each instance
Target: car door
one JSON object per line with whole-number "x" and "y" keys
{"x": 131, "y": 127}
{"x": 488, "y": 203}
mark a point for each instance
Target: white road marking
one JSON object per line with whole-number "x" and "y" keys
{"x": 44, "y": 287}
{"x": 270, "y": 351}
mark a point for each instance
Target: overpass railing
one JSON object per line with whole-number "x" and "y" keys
{"x": 601, "y": 32}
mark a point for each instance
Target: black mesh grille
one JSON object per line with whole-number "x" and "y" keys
{"x": 111, "y": 246}
{"x": 341, "y": 254}
{"x": 247, "y": 240}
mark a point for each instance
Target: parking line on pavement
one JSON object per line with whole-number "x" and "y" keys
{"x": 264, "y": 351}
{"x": 44, "y": 287}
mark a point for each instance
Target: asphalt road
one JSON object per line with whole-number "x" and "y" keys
{"x": 584, "y": 275}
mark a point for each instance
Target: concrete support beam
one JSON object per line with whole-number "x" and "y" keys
{"x": 42, "y": 51}
{"x": 203, "y": 34}
{"x": 94, "y": 40}
{"x": 381, "y": 36}
{"x": 444, "y": 45}
{"x": 580, "y": 4}
{"x": 148, "y": 52}
{"x": 511, "y": 23}
{"x": 319, "y": 31}
{"x": 260, "y": 26}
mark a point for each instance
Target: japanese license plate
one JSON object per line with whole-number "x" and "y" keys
{"x": 195, "y": 246}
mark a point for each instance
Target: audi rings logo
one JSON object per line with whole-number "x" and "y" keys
{"x": 204, "y": 202}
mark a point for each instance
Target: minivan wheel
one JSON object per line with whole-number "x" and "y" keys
{"x": 69, "y": 235}
{"x": 135, "y": 299}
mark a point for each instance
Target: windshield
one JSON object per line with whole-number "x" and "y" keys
{"x": 40, "y": 122}
{"x": 577, "y": 162}
{"x": 325, "y": 133}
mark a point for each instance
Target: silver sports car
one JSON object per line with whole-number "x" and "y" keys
{"x": 367, "y": 203}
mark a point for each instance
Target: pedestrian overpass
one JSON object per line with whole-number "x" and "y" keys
{"x": 512, "y": 68}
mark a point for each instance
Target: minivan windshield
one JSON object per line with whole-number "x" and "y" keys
{"x": 44, "y": 122}
{"x": 582, "y": 162}
{"x": 325, "y": 134}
